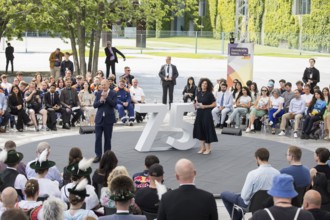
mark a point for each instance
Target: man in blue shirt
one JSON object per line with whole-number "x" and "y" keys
{"x": 258, "y": 179}
{"x": 124, "y": 103}
{"x": 299, "y": 172}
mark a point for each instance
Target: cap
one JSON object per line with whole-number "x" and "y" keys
{"x": 156, "y": 170}
{"x": 283, "y": 187}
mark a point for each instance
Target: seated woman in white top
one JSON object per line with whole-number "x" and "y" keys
{"x": 243, "y": 104}
{"x": 259, "y": 108}
{"x": 77, "y": 197}
{"x": 46, "y": 186}
{"x": 86, "y": 98}
{"x": 31, "y": 192}
{"x": 275, "y": 108}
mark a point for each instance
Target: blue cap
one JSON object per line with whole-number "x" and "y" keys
{"x": 283, "y": 187}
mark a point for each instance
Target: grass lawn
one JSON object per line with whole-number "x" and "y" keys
{"x": 186, "y": 55}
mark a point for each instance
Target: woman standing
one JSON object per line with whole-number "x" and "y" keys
{"x": 203, "y": 127}
{"x": 276, "y": 108}
{"x": 16, "y": 105}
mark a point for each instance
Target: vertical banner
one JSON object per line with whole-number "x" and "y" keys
{"x": 240, "y": 62}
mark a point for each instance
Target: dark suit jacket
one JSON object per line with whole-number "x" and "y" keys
{"x": 187, "y": 202}
{"x": 115, "y": 51}
{"x": 106, "y": 107}
{"x": 315, "y": 77}
{"x": 47, "y": 100}
{"x": 9, "y": 52}
{"x": 320, "y": 214}
{"x": 65, "y": 98}
{"x": 162, "y": 73}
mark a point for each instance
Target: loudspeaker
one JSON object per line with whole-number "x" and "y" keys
{"x": 86, "y": 129}
{"x": 232, "y": 131}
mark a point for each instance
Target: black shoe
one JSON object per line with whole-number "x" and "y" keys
{"x": 217, "y": 126}
{"x": 66, "y": 126}
{"x": 20, "y": 130}
{"x": 96, "y": 159}
{"x": 54, "y": 129}
{"x": 73, "y": 125}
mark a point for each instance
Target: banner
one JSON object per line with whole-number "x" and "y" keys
{"x": 240, "y": 62}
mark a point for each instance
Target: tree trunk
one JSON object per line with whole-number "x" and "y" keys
{"x": 96, "y": 50}
{"x": 81, "y": 19}
{"x": 74, "y": 51}
{"x": 91, "y": 48}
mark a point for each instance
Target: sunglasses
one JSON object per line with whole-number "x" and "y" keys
{"x": 263, "y": 90}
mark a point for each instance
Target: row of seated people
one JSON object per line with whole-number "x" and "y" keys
{"x": 100, "y": 193}
{"x": 289, "y": 105}
{"x": 25, "y": 101}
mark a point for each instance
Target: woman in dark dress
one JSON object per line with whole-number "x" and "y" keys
{"x": 203, "y": 127}
{"x": 16, "y": 106}
{"x": 189, "y": 90}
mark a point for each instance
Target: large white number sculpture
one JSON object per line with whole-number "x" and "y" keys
{"x": 158, "y": 113}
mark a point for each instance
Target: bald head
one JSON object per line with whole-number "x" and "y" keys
{"x": 9, "y": 197}
{"x": 185, "y": 171}
{"x": 312, "y": 200}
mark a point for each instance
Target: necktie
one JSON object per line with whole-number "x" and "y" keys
{"x": 222, "y": 98}
{"x": 168, "y": 71}
{"x": 52, "y": 99}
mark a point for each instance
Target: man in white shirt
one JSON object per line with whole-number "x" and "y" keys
{"x": 137, "y": 96}
{"x": 5, "y": 84}
{"x": 224, "y": 105}
{"x": 296, "y": 111}
{"x": 307, "y": 96}
{"x": 258, "y": 179}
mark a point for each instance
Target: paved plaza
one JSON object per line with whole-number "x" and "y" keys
{"x": 146, "y": 68}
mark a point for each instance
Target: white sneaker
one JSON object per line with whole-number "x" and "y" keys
{"x": 270, "y": 123}
{"x": 295, "y": 135}
{"x": 252, "y": 127}
{"x": 247, "y": 130}
{"x": 282, "y": 133}
{"x": 228, "y": 122}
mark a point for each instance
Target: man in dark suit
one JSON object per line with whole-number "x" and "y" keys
{"x": 187, "y": 202}
{"x": 111, "y": 58}
{"x": 9, "y": 57}
{"x": 311, "y": 75}
{"x": 70, "y": 101}
{"x": 53, "y": 104}
{"x": 168, "y": 74}
{"x": 105, "y": 102}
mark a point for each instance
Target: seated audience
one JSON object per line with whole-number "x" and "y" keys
{"x": 141, "y": 179}
{"x": 10, "y": 176}
{"x": 124, "y": 103}
{"x": 127, "y": 76}
{"x": 237, "y": 90}
{"x": 187, "y": 202}
{"x": 11, "y": 145}
{"x": 9, "y": 199}
{"x": 147, "y": 198}
{"x": 299, "y": 172}
{"x": 300, "y": 87}
{"x": 259, "y": 109}
{"x": 4, "y": 113}
{"x": 314, "y": 113}
{"x": 307, "y": 96}
{"x": 258, "y": 179}
{"x": 321, "y": 156}
{"x": 270, "y": 86}
{"x": 137, "y": 96}
{"x": 53, "y": 209}
{"x": 53, "y": 172}
{"x": 122, "y": 192}
{"x": 282, "y": 191}
{"x": 288, "y": 95}
{"x": 77, "y": 196}
{"x": 243, "y": 104}
{"x": 41, "y": 167}
{"x": 80, "y": 171}
{"x": 296, "y": 111}
{"x": 75, "y": 156}
{"x": 86, "y": 98}
{"x": 312, "y": 203}
{"x": 105, "y": 197}
{"x": 34, "y": 105}
{"x": 254, "y": 92}
{"x": 326, "y": 115}
{"x": 79, "y": 83}
{"x": 189, "y": 91}
{"x": 224, "y": 100}
{"x": 282, "y": 88}
{"x": 60, "y": 85}
{"x": 275, "y": 108}
{"x": 320, "y": 184}
{"x": 16, "y": 105}
{"x": 31, "y": 193}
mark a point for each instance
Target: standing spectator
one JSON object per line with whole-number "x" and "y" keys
{"x": 127, "y": 76}
{"x": 282, "y": 191}
{"x": 105, "y": 103}
{"x": 137, "y": 96}
{"x": 9, "y": 57}
{"x": 311, "y": 75}
{"x": 204, "y": 127}
{"x": 258, "y": 179}
{"x": 187, "y": 202}
{"x": 224, "y": 101}
{"x": 276, "y": 108}
{"x": 5, "y": 84}
{"x": 124, "y": 103}
{"x": 312, "y": 203}
{"x": 299, "y": 172}
{"x": 66, "y": 64}
{"x": 111, "y": 58}
{"x": 70, "y": 101}
{"x": 296, "y": 111}
{"x": 168, "y": 74}
{"x": 55, "y": 60}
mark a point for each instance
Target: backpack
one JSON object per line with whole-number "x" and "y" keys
{"x": 33, "y": 213}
